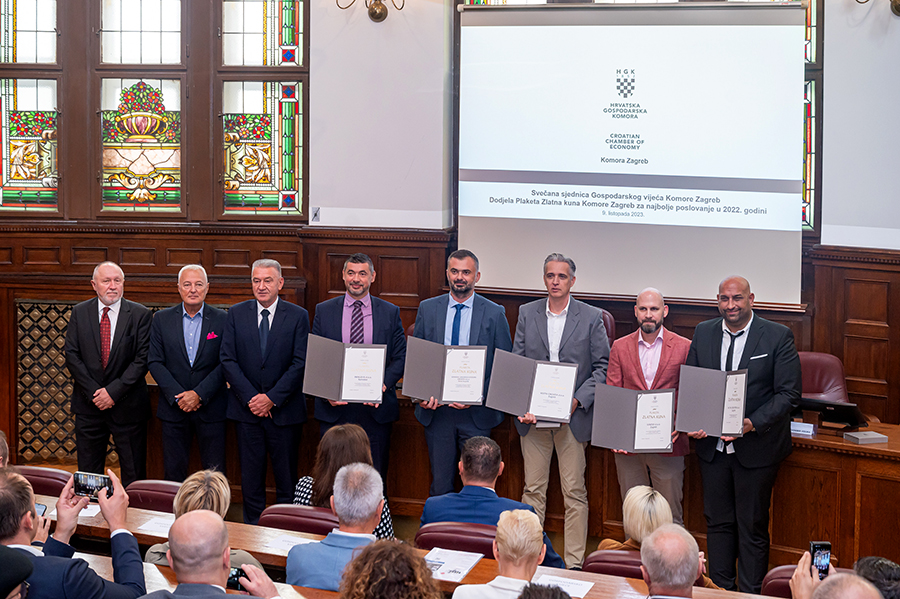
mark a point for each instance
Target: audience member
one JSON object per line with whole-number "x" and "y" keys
{"x": 670, "y": 562}
{"x": 201, "y": 559}
{"x": 845, "y": 586}
{"x": 480, "y": 467}
{"x": 203, "y": 490}
{"x": 357, "y": 502}
{"x": 881, "y": 572}
{"x": 518, "y": 548}
{"x": 388, "y": 570}
{"x": 4, "y": 451}
{"x": 16, "y": 569}
{"x": 340, "y": 445}
{"x": 55, "y": 573}
{"x": 540, "y": 591}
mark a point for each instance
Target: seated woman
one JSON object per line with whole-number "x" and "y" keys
{"x": 340, "y": 445}
{"x": 643, "y": 511}
{"x": 203, "y": 490}
{"x": 388, "y": 570}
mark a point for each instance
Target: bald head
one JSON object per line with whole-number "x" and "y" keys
{"x": 735, "y": 280}
{"x": 735, "y": 302}
{"x": 846, "y": 586}
{"x": 198, "y": 547}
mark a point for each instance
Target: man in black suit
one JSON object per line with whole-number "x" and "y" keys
{"x": 184, "y": 361}
{"x": 263, "y": 355}
{"x": 106, "y": 353}
{"x": 357, "y": 317}
{"x": 739, "y": 473}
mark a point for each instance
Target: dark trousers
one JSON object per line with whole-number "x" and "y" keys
{"x": 379, "y": 434}
{"x": 736, "y": 505}
{"x": 92, "y": 439}
{"x": 449, "y": 430}
{"x": 177, "y": 438}
{"x": 256, "y": 442}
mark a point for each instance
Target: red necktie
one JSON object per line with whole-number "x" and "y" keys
{"x": 104, "y": 337}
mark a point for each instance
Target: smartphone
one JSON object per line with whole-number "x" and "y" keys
{"x": 234, "y": 579}
{"x": 40, "y": 509}
{"x": 89, "y": 484}
{"x": 821, "y": 556}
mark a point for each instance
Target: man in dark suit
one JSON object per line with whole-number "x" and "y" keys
{"x": 562, "y": 329}
{"x": 480, "y": 467}
{"x": 739, "y": 473}
{"x": 56, "y": 575}
{"x": 201, "y": 559}
{"x": 107, "y": 342}
{"x": 463, "y": 318}
{"x": 184, "y": 360}
{"x": 357, "y": 317}
{"x": 263, "y": 354}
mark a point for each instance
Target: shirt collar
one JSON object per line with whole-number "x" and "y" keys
{"x": 199, "y": 312}
{"x": 725, "y": 328}
{"x": 468, "y": 303}
{"x": 114, "y": 307}
{"x": 349, "y": 300}
{"x": 655, "y": 341}
{"x": 271, "y": 309}
{"x": 563, "y": 313}
{"x": 359, "y": 535}
{"x": 29, "y": 548}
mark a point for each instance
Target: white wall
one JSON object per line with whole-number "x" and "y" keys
{"x": 380, "y": 143}
{"x": 861, "y": 122}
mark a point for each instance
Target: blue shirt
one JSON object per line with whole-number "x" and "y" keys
{"x": 191, "y": 326}
{"x": 465, "y": 320}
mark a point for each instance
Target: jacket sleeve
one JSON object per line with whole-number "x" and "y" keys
{"x": 519, "y": 342}
{"x": 786, "y": 385}
{"x": 599, "y": 361}
{"x": 396, "y": 362}
{"x": 167, "y": 383}
{"x": 137, "y": 369}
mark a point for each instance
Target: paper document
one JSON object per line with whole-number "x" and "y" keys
{"x": 733, "y": 417}
{"x": 88, "y": 512}
{"x": 286, "y": 542}
{"x": 653, "y": 421}
{"x": 575, "y": 588}
{"x": 464, "y": 375}
{"x": 447, "y": 564}
{"x": 363, "y": 374}
{"x": 551, "y": 394}
{"x": 157, "y": 525}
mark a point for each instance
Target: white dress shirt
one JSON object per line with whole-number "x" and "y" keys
{"x": 556, "y": 324}
{"x": 649, "y": 354}
{"x": 113, "y": 317}
{"x": 271, "y": 309}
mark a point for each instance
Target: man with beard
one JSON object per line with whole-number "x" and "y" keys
{"x": 651, "y": 358}
{"x": 463, "y": 318}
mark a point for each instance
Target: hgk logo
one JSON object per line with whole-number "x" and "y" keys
{"x": 625, "y": 82}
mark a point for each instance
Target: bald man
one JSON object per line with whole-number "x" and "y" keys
{"x": 651, "y": 358}
{"x": 739, "y": 473}
{"x": 201, "y": 558}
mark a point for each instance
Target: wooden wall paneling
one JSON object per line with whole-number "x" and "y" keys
{"x": 876, "y": 511}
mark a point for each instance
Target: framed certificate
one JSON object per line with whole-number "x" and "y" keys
{"x": 552, "y": 389}
{"x": 343, "y": 371}
{"x": 520, "y": 385}
{"x": 633, "y": 421}
{"x": 449, "y": 373}
{"x": 712, "y": 401}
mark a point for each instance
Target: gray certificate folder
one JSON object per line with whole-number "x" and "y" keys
{"x": 615, "y": 411}
{"x": 323, "y": 376}
{"x": 511, "y": 380}
{"x": 701, "y": 400}
{"x": 423, "y": 375}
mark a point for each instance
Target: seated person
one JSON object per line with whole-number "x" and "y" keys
{"x": 480, "y": 467}
{"x": 670, "y": 562}
{"x": 55, "y": 574}
{"x": 518, "y": 548}
{"x": 643, "y": 511}
{"x": 388, "y": 570}
{"x": 357, "y": 502}
{"x": 805, "y": 583}
{"x": 16, "y": 569}
{"x": 201, "y": 559}
{"x": 340, "y": 445}
{"x": 881, "y": 572}
{"x": 203, "y": 490}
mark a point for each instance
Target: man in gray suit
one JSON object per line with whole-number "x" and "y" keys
{"x": 201, "y": 558}
{"x": 562, "y": 329}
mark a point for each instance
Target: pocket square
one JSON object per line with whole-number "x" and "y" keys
{"x": 212, "y": 336}
{"x": 759, "y": 356}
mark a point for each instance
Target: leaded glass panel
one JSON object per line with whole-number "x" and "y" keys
{"x": 141, "y": 135}
{"x": 141, "y": 31}
{"x": 28, "y": 31}
{"x": 809, "y": 154}
{"x": 262, "y": 32}
{"x": 29, "y": 118}
{"x": 263, "y": 134}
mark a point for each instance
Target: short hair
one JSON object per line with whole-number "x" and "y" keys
{"x": 340, "y": 445}
{"x": 107, "y": 263}
{"x": 188, "y": 267}
{"x": 198, "y": 553}
{"x": 203, "y": 490}
{"x": 845, "y": 586}
{"x": 16, "y": 499}
{"x": 881, "y": 572}
{"x": 4, "y": 450}
{"x": 557, "y": 257}
{"x": 480, "y": 459}
{"x": 643, "y": 511}
{"x": 519, "y": 536}
{"x": 462, "y": 255}
{"x": 388, "y": 569}
{"x": 671, "y": 557}
{"x": 357, "y": 492}
{"x": 359, "y": 258}
{"x": 540, "y": 591}
{"x": 266, "y": 263}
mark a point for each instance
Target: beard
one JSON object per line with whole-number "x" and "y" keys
{"x": 650, "y": 326}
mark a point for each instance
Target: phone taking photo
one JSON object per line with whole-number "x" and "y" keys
{"x": 234, "y": 579}
{"x": 89, "y": 484}
{"x": 40, "y": 509}
{"x": 821, "y": 556}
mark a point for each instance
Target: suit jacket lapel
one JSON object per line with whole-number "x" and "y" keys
{"x": 541, "y": 322}
{"x": 440, "y": 320}
{"x": 204, "y": 331}
{"x": 573, "y": 319}
{"x": 634, "y": 354}
{"x": 378, "y": 335}
{"x": 94, "y": 321}
{"x": 753, "y": 336}
{"x": 475, "y": 323}
{"x": 121, "y": 324}
{"x": 664, "y": 355}
{"x": 716, "y": 346}
{"x": 277, "y": 324}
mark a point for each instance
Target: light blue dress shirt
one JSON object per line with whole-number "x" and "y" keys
{"x": 465, "y": 320}
{"x": 192, "y": 328}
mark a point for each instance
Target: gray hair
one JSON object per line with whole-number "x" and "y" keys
{"x": 357, "y": 493}
{"x": 188, "y": 267}
{"x": 846, "y": 586}
{"x": 107, "y": 263}
{"x": 266, "y": 263}
{"x": 671, "y": 557}
{"x": 557, "y": 257}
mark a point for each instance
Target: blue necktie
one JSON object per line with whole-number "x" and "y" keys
{"x": 454, "y": 336}
{"x": 263, "y": 331}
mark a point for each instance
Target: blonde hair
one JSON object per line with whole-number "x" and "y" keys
{"x": 519, "y": 536}
{"x": 203, "y": 490}
{"x": 644, "y": 510}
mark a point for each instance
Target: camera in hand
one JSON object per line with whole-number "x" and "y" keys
{"x": 234, "y": 579}
{"x": 821, "y": 556}
{"x": 40, "y": 509}
{"x": 89, "y": 484}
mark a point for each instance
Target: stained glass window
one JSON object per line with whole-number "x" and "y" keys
{"x": 141, "y": 135}
{"x": 809, "y": 154}
{"x": 29, "y": 31}
{"x": 29, "y": 177}
{"x": 262, "y": 32}
{"x": 263, "y": 124}
{"x": 141, "y": 31}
